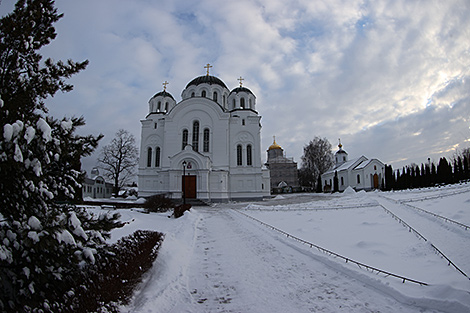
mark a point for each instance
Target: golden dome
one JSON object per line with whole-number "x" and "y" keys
{"x": 274, "y": 145}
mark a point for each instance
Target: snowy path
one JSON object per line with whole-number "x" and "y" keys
{"x": 231, "y": 264}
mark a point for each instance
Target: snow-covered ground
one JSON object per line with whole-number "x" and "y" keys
{"x": 220, "y": 259}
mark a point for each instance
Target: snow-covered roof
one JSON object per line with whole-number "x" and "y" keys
{"x": 363, "y": 164}
{"x": 351, "y": 164}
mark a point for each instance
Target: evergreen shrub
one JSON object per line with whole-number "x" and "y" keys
{"x": 109, "y": 282}
{"x": 158, "y": 203}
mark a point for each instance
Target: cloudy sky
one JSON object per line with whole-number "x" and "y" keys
{"x": 391, "y": 78}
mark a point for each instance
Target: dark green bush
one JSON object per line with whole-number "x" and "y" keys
{"x": 159, "y": 203}
{"x": 109, "y": 282}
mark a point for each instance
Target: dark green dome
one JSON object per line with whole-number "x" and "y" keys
{"x": 207, "y": 79}
{"x": 241, "y": 89}
{"x": 163, "y": 94}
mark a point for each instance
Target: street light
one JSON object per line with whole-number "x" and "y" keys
{"x": 184, "y": 182}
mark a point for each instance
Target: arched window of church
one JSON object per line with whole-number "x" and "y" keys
{"x": 159, "y": 106}
{"x": 149, "y": 157}
{"x": 157, "y": 157}
{"x": 358, "y": 178}
{"x": 233, "y": 104}
{"x": 214, "y": 96}
{"x": 242, "y": 103}
{"x": 196, "y": 136}
{"x": 192, "y": 94}
{"x": 206, "y": 140}
{"x": 203, "y": 94}
{"x": 239, "y": 155}
{"x": 185, "y": 139}
{"x": 225, "y": 100}
{"x": 342, "y": 181}
{"x": 166, "y": 107}
{"x": 249, "y": 160}
{"x": 251, "y": 104}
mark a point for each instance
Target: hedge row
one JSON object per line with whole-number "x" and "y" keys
{"x": 109, "y": 282}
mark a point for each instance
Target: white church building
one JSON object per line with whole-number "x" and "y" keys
{"x": 207, "y": 146}
{"x": 360, "y": 173}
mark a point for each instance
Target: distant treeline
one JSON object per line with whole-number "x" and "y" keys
{"x": 429, "y": 174}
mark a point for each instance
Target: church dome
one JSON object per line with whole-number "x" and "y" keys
{"x": 274, "y": 146}
{"x": 241, "y": 89}
{"x": 341, "y": 156}
{"x": 340, "y": 150}
{"x": 163, "y": 94}
{"x": 161, "y": 102}
{"x": 206, "y": 79}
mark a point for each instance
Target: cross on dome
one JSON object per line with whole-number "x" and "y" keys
{"x": 208, "y": 66}
{"x": 164, "y": 85}
{"x": 241, "y": 79}
{"x": 340, "y": 145}
{"x": 274, "y": 145}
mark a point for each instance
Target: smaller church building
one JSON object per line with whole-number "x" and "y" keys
{"x": 283, "y": 170}
{"x": 361, "y": 173}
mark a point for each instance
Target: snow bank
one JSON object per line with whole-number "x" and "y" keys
{"x": 169, "y": 274}
{"x": 140, "y": 201}
{"x": 349, "y": 191}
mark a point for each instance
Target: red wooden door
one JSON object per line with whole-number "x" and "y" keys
{"x": 189, "y": 186}
{"x": 376, "y": 181}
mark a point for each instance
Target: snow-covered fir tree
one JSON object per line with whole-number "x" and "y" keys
{"x": 43, "y": 244}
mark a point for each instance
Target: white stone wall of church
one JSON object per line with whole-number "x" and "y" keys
{"x": 250, "y": 101}
{"x": 226, "y": 132}
{"x": 369, "y": 171}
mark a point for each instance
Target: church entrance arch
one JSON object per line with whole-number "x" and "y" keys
{"x": 189, "y": 177}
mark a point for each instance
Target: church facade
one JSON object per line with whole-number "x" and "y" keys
{"x": 360, "y": 173}
{"x": 207, "y": 146}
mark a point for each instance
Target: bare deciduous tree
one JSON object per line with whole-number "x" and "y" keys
{"x": 316, "y": 160}
{"x": 119, "y": 159}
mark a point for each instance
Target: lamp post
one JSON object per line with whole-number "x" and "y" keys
{"x": 184, "y": 182}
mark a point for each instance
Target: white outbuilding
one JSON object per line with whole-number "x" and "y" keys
{"x": 360, "y": 174}
{"x": 207, "y": 146}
